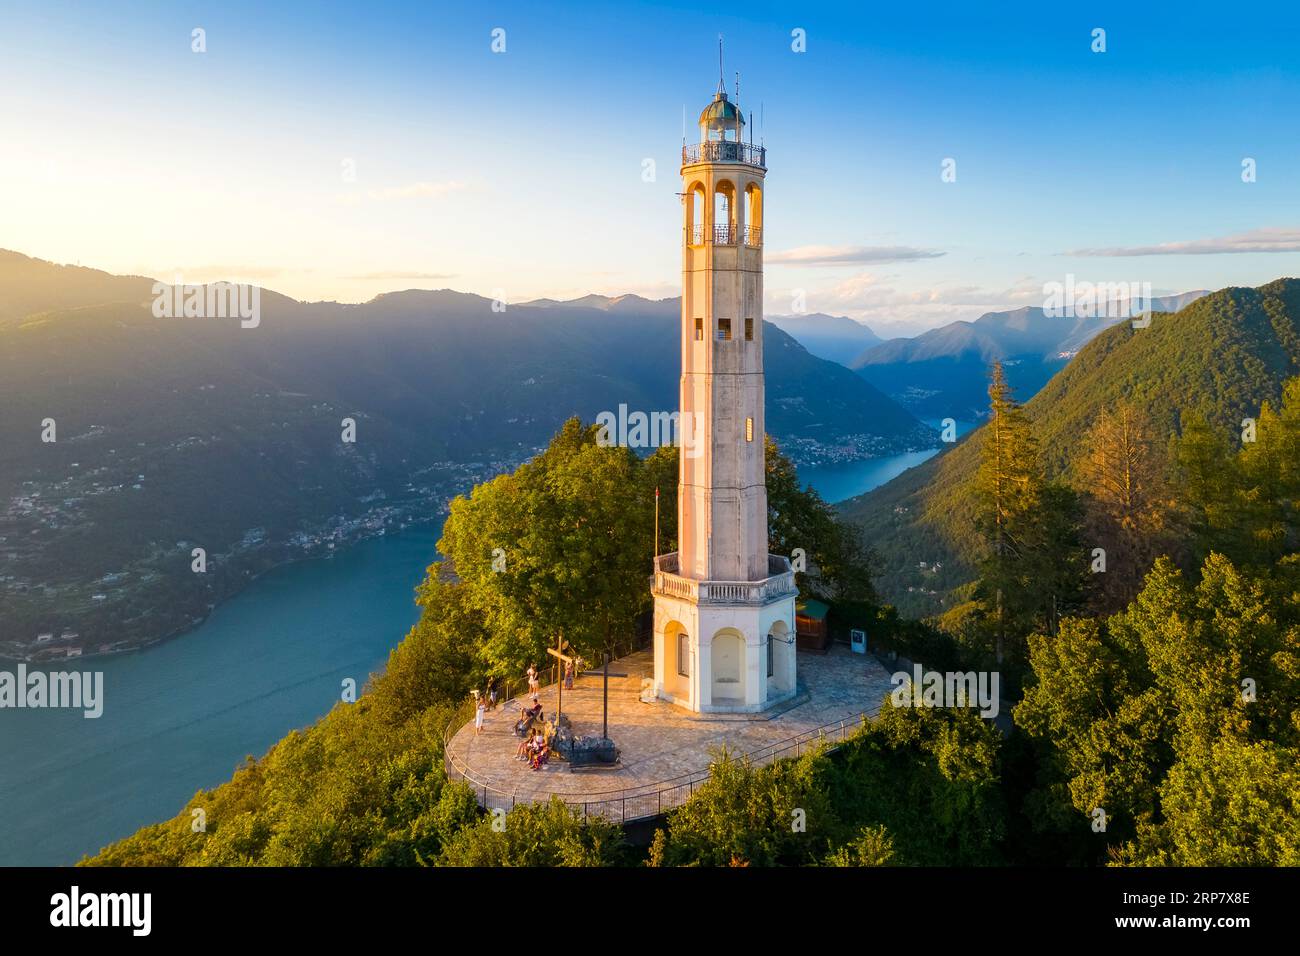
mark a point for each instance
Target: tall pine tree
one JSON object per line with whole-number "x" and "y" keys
{"x": 1124, "y": 478}
{"x": 1008, "y": 488}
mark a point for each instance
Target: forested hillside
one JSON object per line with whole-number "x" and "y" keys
{"x": 1222, "y": 357}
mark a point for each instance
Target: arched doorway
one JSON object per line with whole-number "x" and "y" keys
{"x": 677, "y": 661}
{"x": 727, "y": 664}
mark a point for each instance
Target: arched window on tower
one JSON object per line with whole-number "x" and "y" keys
{"x": 753, "y": 215}
{"x": 696, "y": 208}
{"x": 724, "y": 214}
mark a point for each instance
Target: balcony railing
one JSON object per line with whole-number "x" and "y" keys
{"x": 669, "y": 582}
{"x": 668, "y": 563}
{"x": 723, "y": 152}
{"x": 727, "y": 235}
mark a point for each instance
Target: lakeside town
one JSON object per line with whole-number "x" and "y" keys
{"x": 152, "y": 594}
{"x": 90, "y": 623}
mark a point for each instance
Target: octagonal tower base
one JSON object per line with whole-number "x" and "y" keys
{"x": 724, "y": 647}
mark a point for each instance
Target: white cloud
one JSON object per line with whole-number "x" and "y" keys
{"x": 1254, "y": 240}
{"x": 850, "y": 255}
{"x": 878, "y": 301}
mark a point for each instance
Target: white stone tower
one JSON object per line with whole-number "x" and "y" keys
{"x": 724, "y": 607}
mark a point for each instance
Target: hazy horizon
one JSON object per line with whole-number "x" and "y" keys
{"x": 885, "y": 330}
{"x": 321, "y": 153}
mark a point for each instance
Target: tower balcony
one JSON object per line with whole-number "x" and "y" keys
{"x": 670, "y": 583}
{"x": 721, "y": 151}
{"x": 728, "y": 235}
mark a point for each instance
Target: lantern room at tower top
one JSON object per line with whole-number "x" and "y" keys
{"x": 724, "y": 181}
{"x": 722, "y": 127}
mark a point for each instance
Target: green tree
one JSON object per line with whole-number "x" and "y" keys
{"x": 745, "y": 815}
{"x": 562, "y": 546}
{"x": 1235, "y": 803}
{"x": 873, "y": 846}
{"x": 541, "y": 834}
{"x": 1269, "y": 472}
{"x": 1008, "y": 488}
{"x": 1124, "y": 477}
{"x": 1138, "y": 714}
{"x": 931, "y": 777}
{"x": 440, "y": 658}
{"x": 1207, "y": 486}
{"x": 1056, "y": 558}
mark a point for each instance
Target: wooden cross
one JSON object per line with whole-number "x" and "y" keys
{"x": 558, "y": 651}
{"x": 604, "y": 671}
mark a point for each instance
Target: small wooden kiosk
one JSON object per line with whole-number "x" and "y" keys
{"x": 811, "y": 632}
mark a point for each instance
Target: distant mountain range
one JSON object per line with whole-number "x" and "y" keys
{"x": 625, "y": 304}
{"x": 834, "y": 337}
{"x": 1224, "y": 354}
{"x": 944, "y": 372}
{"x": 178, "y": 433}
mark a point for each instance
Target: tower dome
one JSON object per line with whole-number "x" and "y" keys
{"x": 722, "y": 140}
{"x": 721, "y": 115}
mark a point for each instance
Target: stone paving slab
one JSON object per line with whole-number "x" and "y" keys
{"x": 659, "y": 743}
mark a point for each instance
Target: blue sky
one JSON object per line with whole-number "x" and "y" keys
{"x": 520, "y": 173}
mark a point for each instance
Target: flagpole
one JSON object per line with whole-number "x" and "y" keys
{"x": 656, "y": 554}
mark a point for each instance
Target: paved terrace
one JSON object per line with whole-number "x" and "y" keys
{"x": 664, "y": 750}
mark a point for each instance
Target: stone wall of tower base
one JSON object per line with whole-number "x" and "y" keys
{"x": 727, "y": 653}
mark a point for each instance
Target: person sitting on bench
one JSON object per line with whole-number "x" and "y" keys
{"x": 524, "y": 725}
{"x": 538, "y": 751}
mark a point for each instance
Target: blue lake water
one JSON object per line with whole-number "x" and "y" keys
{"x": 839, "y": 482}
{"x": 181, "y": 716}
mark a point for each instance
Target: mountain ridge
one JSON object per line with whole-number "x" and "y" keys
{"x": 175, "y": 431}
{"x": 941, "y": 373}
{"x": 1223, "y": 354}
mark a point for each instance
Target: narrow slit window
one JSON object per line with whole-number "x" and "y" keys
{"x": 749, "y": 330}
{"x": 699, "y": 330}
{"x": 771, "y": 658}
{"x": 749, "y": 429}
{"x": 684, "y": 654}
{"x": 724, "y": 330}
